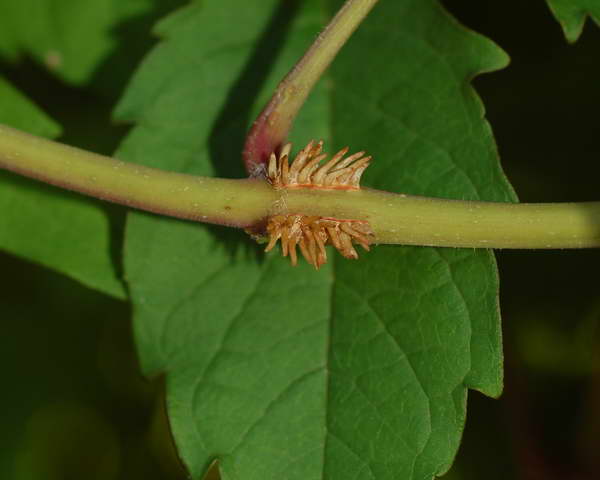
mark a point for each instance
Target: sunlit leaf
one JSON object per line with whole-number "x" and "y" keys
{"x": 70, "y": 37}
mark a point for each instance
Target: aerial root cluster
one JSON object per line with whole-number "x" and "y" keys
{"x": 306, "y": 171}
{"x": 312, "y": 233}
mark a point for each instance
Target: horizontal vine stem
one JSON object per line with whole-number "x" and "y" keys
{"x": 236, "y": 203}
{"x": 394, "y": 218}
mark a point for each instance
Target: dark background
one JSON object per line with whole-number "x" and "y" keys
{"x": 74, "y": 406}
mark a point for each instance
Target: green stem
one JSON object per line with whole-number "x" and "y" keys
{"x": 214, "y": 200}
{"x": 272, "y": 126}
{"x": 394, "y": 218}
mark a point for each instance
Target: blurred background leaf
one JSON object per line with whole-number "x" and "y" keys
{"x": 572, "y": 15}
{"x": 74, "y": 404}
{"x": 19, "y": 112}
{"x": 44, "y": 46}
{"x": 77, "y": 39}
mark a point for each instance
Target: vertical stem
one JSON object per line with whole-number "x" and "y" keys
{"x": 274, "y": 123}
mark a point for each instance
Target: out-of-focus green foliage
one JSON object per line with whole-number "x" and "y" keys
{"x": 20, "y": 112}
{"x": 572, "y": 15}
{"x": 72, "y": 38}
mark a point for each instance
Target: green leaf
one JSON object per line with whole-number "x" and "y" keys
{"x": 359, "y": 370}
{"x": 572, "y": 15}
{"x": 18, "y": 111}
{"x": 418, "y": 325}
{"x": 54, "y": 228}
{"x": 71, "y": 38}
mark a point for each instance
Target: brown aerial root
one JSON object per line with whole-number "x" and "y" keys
{"x": 312, "y": 233}
{"x": 306, "y": 170}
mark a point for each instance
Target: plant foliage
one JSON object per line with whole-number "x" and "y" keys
{"x": 360, "y": 369}
{"x": 572, "y": 15}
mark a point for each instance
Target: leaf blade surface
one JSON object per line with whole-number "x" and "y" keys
{"x": 288, "y": 373}
{"x": 436, "y": 308}
{"x": 242, "y": 347}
